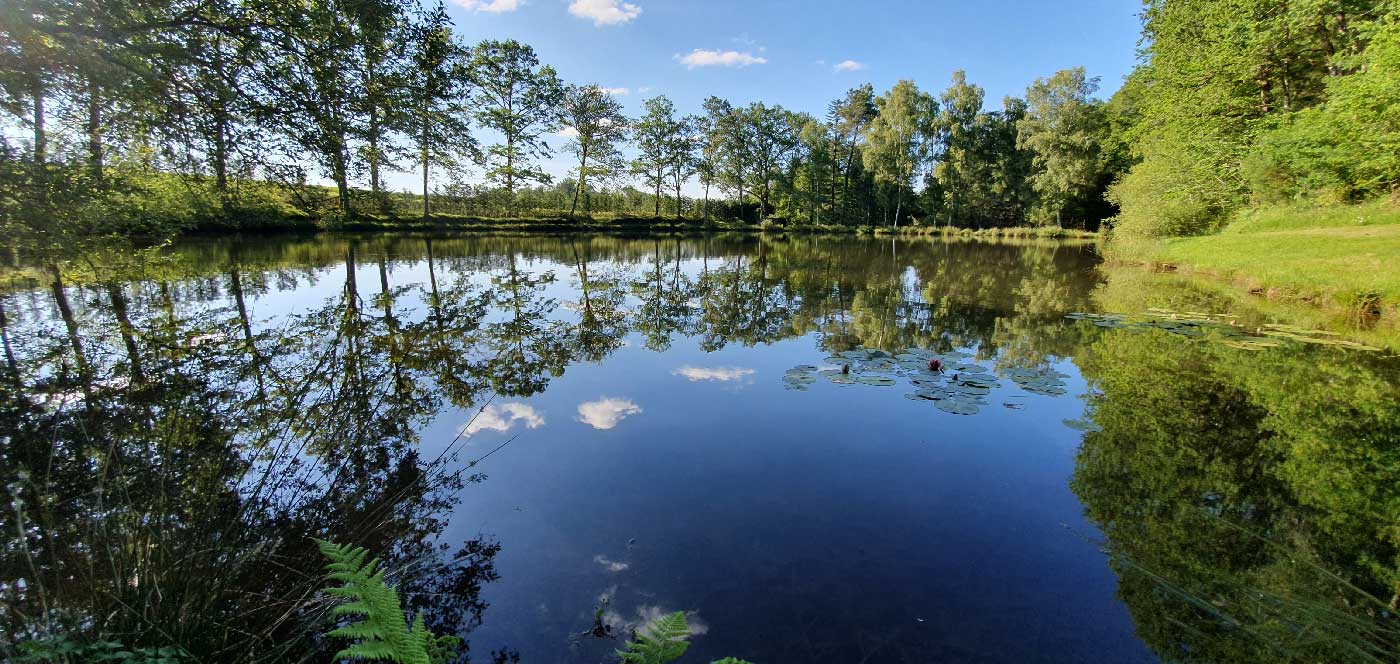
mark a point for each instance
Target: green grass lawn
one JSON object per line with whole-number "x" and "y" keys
{"x": 1343, "y": 255}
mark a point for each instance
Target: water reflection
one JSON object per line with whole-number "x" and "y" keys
{"x": 181, "y": 428}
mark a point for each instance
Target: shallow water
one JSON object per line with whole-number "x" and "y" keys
{"x": 613, "y": 414}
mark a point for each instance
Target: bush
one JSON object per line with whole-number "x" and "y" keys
{"x": 1348, "y": 148}
{"x": 1171, "y": 193}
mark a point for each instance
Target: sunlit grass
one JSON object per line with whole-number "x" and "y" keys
{"x": 1341, "y": 255}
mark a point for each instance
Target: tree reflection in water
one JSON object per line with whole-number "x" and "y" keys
{"x": 171, "y": 454}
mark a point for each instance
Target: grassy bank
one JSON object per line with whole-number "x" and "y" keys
{"x": 291, "y": 221}
{"x": 1011, "y": 231}
{"x": 1338, "y": 256}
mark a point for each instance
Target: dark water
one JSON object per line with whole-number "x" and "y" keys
{"x": 537, "y": 431}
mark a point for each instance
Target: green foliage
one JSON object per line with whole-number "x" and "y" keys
{"x": 900, "y": 138}
{"x": 384, "y": 632}
{"x": 1062, "y": 128}
{"x": 1347, "y": 148}
{"x": 663, "y": 640}
{"x": 66, "y": 650}
{"x": 519, "y": 98}
{"x": 1255, "y": 99}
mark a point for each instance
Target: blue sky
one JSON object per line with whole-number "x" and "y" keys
{"x": 787, "y": 52}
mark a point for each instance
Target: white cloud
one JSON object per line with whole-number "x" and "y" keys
{"x": 567, "y": 132}
{"x": 617, "y": 92}
{"x": 647, "y": 614}
{"x": 706, "y": 58}
{"x": 848, "y": 65}
{"x": 490, "y": 6}
{"x": 604, "y": 12}
{"x": 611, "y": 565}
{"x": 712, "y": 373}
{"x": 502, "y": 417}
{"x": 605, "y": 413}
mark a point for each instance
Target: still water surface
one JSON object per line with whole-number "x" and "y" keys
{"x": 618, "y": 428}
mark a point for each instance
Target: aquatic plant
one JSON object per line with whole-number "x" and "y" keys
{"x": 663, "y": 640}
{"x": 384, "y": 632}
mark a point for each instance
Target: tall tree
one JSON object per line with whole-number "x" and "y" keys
{"x": 681, "y": 153}
{"x": 438, "y": 88}
{"x": 899, "y": 139}
{"x": 730, "y": 141}
{"x": 381, "y": 32}
{"x": 772, "y": 140}
{"x": 519, "y": 99}
{"x": 848, "y": 119}
{"x": 1062, "y": 128}
{"x": 598, "y": 129}
{"x": 656, "y": 133}
{"x": 305, "y": 89}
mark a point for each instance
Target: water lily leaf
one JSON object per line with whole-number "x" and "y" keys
{"x": 836, "y": 359}
{"x": 970, "y": 388}
{"x": 802, "y": 367}
{"x": 956, "y": 407}
{"x": 876, "y": 380}
{"x": 1083, "y": 425}
{"x": 799, "y": 378}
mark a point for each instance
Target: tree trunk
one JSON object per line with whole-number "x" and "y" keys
{"x": 10, "y": 362}
{"x": 432, "y": 271}
{"x": 221, "y": 124}
{"x": 60, "y": 298}
{"x": 510, "y": 171}
{"x": 582, "y": 178}
{"x": 425, "y": 155}
{"x": 236, "y": 289}
{"x": 659, "y": 179}
{"x": 40, "y": 138}
{"x": 339, "y": 171}
{"x": 94, "y": 131}
{"x": 128, "y": 331}
{"x": 374, "y": 184}
{"x": 678, "y": 196}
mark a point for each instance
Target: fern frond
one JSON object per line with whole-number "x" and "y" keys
{"x": 662, "y": 641}
{"x": 384, "y": 633}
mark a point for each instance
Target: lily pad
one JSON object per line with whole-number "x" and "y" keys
{"x": 970, "y": 388}
{"x": 1086, "y": 426}
{"x": 876, "y": 380}
{"x": 956, "y": 407}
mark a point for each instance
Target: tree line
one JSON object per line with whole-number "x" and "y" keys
{"x": 132, "y": 110}
{"x": 139, "y": 117}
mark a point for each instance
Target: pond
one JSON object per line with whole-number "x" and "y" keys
{"x": 551, "y": 440}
